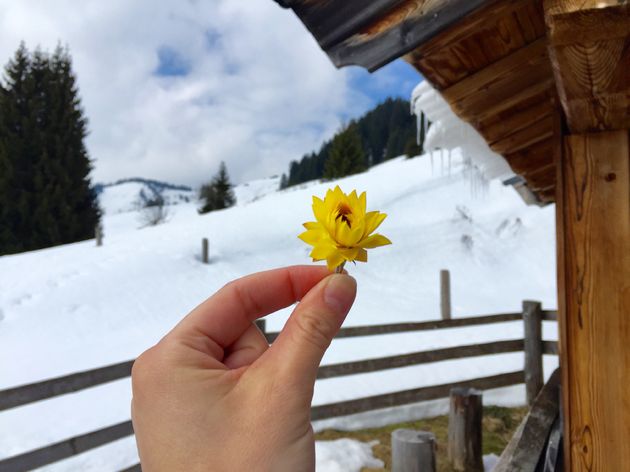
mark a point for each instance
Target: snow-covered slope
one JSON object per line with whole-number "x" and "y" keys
{"x": 78, "y": 307}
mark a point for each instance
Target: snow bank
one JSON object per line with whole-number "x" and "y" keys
{"x": 344, "y": 455}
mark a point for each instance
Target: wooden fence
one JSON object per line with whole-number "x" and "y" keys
{"x": 531, "y": 375}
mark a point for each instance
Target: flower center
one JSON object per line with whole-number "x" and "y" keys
{"x": 343, "y": 211}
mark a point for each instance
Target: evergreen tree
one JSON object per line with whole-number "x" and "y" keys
{"x": 387, "y": 131}
{"x": 284, "y": 182}
{"x": 346, "y": 154}
{"x": 49, "y": 200}
{"x": 218, "y": 194}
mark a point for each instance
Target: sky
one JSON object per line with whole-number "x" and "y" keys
{"x": 172, "y": 88}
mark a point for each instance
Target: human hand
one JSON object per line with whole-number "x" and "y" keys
{"x": 212, "y": 395}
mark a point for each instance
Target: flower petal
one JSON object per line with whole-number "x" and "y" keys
{"x": 323, "y": 249}
{"x": 312, "y": 225}
{"x": 362, "y": 255}
{"x": 311, "y": 236}
{"x": 375, "y": 240}
{"x": 334, "y": 261}
{"x": 373, "y": 220}
{"x": 319, "y": 210}
{"x": 350, "y": 254}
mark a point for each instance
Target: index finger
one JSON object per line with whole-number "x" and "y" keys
{"x": 226, "y": 315}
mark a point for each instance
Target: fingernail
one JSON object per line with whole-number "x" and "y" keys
{"x": 339, "y": 293}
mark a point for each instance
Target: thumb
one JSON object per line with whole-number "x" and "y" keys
{"x": 300, "y": 346}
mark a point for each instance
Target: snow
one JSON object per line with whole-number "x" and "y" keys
{"x": 345, "y": 455}
{"x": 78, "y": 307}
{"x": 448, "y": 131}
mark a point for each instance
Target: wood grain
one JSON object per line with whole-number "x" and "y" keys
{"x": 590, "y": 54}
{"x": 594, "y": 284}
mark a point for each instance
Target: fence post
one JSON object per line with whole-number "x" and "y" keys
{"x": 464, "y": 430}
{"x": 445, "y": 294}
{"x": 413, "y": 451}
{"x": 98, "y": 233}
{"x": 262, "y": 326}
{"x": 532, "y": 318}
{"x": 204, "y": 250}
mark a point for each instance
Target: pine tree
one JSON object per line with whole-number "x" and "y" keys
{"x": 284, "y": 182}
{"x": 49, "y": 200}
{"x": 346, "y": 154}
{"x": 218, "y": 194}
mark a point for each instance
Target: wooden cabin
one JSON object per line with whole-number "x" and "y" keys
{"x": 547, "y": 85}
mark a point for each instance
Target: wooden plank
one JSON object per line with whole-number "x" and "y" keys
{"x": 518, "y": 95}
{"x": 333, "y": 21}
{"x": 516, "y": 120}
{"x": 534, "y": 53}
{"x": 415, "y": 395}
{"x": 534, "y": 157}
{"x": 550, "y": 347}
{"x": 540, "y": 130}
{"x": 526, "y": 447}
{"x": 478, "y": 40}
{"x": 550, "y": 315}
{"x": 17, "y": 396}
{"x": 591, "y": 67}
{"x": 373, "y": 49}
{"x": 594, "y": 298}
{"x": 67, "y": 448}
{"x": 415, "y": 358}
{"x": 373, "y": 330}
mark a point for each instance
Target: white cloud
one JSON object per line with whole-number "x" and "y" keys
{"x": 259, "y": 91}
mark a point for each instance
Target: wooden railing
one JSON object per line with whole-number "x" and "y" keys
{"x": 26, "y": 394}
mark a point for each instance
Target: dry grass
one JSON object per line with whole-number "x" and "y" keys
{"x": 498, "y": 426}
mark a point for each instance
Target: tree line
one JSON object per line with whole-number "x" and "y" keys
{"x": 46, "y": 197}
{"x": 387, "y": 131}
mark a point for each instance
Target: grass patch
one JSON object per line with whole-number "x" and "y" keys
{"x": 498, "y": 426}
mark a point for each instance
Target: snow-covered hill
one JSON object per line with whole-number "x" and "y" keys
{"x": 78, "y": 307}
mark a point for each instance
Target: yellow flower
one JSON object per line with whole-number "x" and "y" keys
{"x": 343, "y": 230}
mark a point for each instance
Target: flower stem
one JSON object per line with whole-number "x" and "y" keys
{"x": 339, "y": 268}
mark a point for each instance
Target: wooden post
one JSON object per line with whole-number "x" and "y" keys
{"x": 532, "y": 318}
{"x": 588, "y": 48}
{"x": 445, "y": 294}
{"x": 464, "y": 430}
{"x": 98, "y": 234}
{"x": 413, "y": 451}
{"x": 204, "y": 250}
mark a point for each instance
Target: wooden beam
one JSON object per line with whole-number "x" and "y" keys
{"x": 590, "y": 54}
{"x": 593, "y": 209}
{"x": 540, "y": 130}
{"x": 516, "y": 121}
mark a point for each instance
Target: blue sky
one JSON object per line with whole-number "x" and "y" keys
{"x": 173, "y": 88}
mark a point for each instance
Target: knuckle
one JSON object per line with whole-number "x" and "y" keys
{"x": 143, "y": 370}
{"x": 314, "y": 328}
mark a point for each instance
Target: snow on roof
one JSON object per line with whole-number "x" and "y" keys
{"x": 448, "y": 131}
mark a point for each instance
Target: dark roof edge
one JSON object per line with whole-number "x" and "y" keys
{"x": 402, "y": 38}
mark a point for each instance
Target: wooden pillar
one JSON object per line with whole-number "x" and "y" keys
{"x": 464, "y": 430}
{"x": 532, "y": 320}
{"x": 593, "y": 207}
{"x": 588, "y": 48}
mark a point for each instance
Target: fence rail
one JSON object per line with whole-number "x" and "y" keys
{"x": 23, "y": 395}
